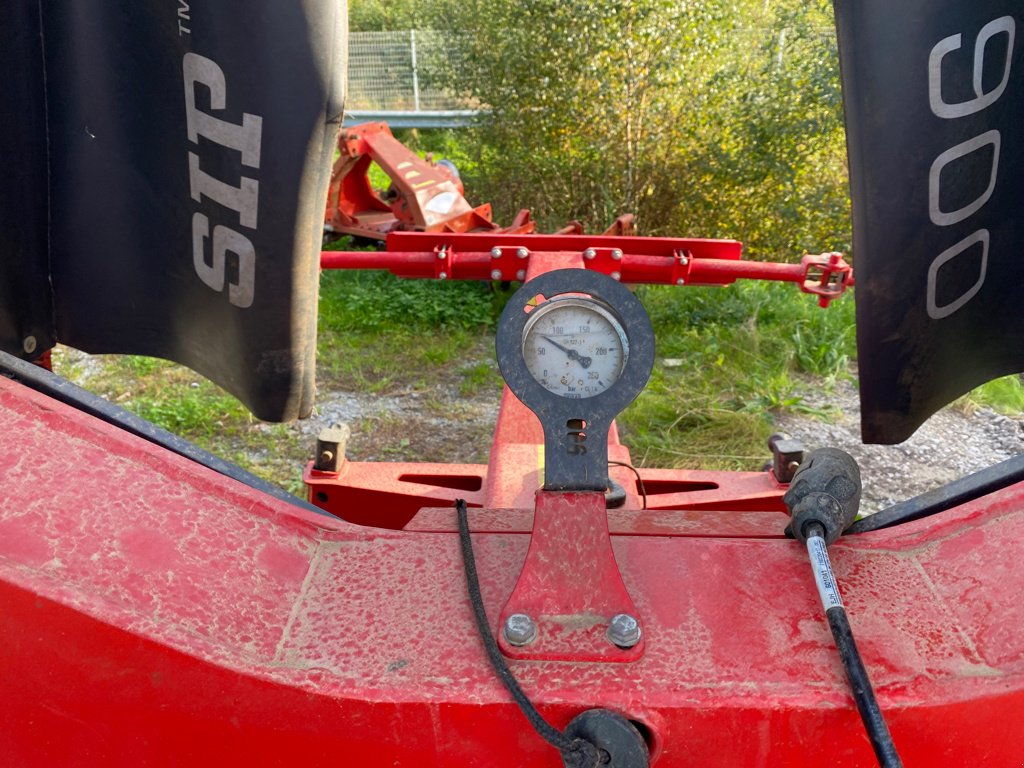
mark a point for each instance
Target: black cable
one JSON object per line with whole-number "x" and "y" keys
{"x": 577, "y": 753}
{"x": 639, "y": 480}
{"x": 842, "y": 633}
{"x": 948, "y": 496}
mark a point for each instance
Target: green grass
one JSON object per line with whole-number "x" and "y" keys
{"x": 726, "y": 361}
{"x": 1005, "y": 395}
{"x": 727, "y": 358}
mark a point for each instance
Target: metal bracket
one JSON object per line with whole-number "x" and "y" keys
{"x": 443, "y": 263}
{"x": 787, "y": 456}
{"x": 570, "y": 587}
{"x": 826, "y": 276}
{"x": 509, "y": 262}
{"x": 680, "y": 267}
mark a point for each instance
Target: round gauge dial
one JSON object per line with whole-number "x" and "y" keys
{"x": 574, "y": 347}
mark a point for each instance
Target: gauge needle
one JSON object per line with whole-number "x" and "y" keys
{"x": 572, "y": 353}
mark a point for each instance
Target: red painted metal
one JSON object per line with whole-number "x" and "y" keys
{"x": 666, "y": 261}
{"x": 426, "y": 196}
{"x": 153, "y": 612}
{"x": 570, "y": 584}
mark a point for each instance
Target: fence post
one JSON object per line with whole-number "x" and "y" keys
{"x": 415, "y": 73}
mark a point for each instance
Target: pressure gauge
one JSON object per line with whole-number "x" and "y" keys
{"x": 576, "y": 347}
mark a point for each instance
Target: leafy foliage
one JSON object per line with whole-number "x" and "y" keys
{"x": 714, "y": 118}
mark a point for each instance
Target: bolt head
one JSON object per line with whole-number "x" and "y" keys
{"x": 616, "y": 254}
{"x": 624, "y": 630}
{"x": 680, "y": 281}
{"x": 616, "y": 275}
{"x": 29, "y": 344}
{"x": 519, "y": 629}
{"x": 522, "y": 253}
{"x": 495, "y": 253}
{"x": 441, "y": 255}
{"x": 495, "y": 274}
{"x": 521, "y": 274}
{"x": 442, "y": 276}
{"x": 589, "y": 253}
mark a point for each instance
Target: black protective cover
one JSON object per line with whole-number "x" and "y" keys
{"x": 26, "y": 310}
{"x": 935, "y": 127}
{"x": 129, "y": 246}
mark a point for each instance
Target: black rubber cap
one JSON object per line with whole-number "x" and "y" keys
{"x": 825, "y": 490}
{"x": 613, "y": 735}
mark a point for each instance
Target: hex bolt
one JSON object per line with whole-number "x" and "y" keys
{"x": 495, "y": 253}
{"x": 521, "y": 274}
{"x": 442, "y": 275}
{"x": 522, "y": 253}
{"x": 680, "y": 281}
{"x": 589, "y": 253}
{"x": 495, "y": 274}
{"x": 29, "y": 344}
{"x": 616, "y": 275}
{"x": 624, "y": 630}
{"x": 519, "y": 629}
{"x": 441, "y": 254}
{"x": 616, "y": 254}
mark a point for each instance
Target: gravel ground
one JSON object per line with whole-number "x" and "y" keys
{"x": 443, "y": 425}
{"x": 949, "y": 445}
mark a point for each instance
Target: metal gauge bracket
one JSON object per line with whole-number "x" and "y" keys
{"x": 576, "y": 429}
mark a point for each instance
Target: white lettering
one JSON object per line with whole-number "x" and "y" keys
{"x": 940, "y": 107}
{"x": 942, "y": 218}
{"x": 183, "y": 16}
{"x": 225, "y": 240}
{"x": 243, "y": 198}
{"x": 935, "y": 312}
{"x": 245, "y": 138}
{"x": 212, "y": 268}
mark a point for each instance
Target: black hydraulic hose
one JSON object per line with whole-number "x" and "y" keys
{"x": 576, "y": 753}
{"x": 856, "y": 673}
{"x": 953, "y": 494}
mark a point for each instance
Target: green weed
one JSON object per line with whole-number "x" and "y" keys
{"x": 1005, "y": 395}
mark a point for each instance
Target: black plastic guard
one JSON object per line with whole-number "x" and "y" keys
{"x": 26, "y": 309}
{"x": 189, "y": 151}
{"x": 934, "y": 99}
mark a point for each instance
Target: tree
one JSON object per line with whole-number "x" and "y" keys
{"x": 384, "y": 15}
{"x": 710, "y": 118}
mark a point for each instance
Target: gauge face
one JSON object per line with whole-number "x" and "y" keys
{"x": 574, "y": 347}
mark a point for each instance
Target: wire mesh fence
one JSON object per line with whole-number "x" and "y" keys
{"x": 402, "y": 71}
{"x": 405, "y": 77}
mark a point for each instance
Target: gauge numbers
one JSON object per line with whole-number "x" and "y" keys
{"x": 574, "y": 347}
